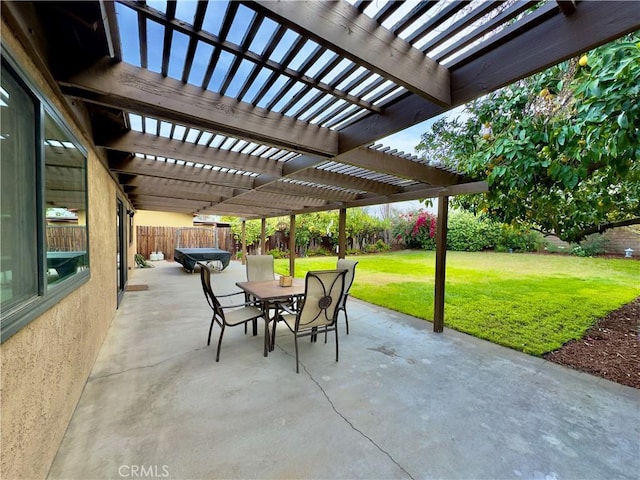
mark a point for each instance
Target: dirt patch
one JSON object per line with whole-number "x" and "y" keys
{"x": 609, "y": 349}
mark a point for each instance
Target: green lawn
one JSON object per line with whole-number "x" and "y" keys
{"x": 532, "y": 303}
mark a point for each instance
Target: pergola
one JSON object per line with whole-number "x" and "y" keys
{"x": 258, "y": 109}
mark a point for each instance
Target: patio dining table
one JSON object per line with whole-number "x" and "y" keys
{"x": 268, "y": 292}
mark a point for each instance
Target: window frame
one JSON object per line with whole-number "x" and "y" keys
{"x": 21, "y": 315}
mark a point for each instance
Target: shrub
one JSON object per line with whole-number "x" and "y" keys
{"x": 466, "y": 233}
{"x": 550, "y": 247}
{"x": 590, "y": 246}
{"x": 415, "y": 229}
{"x": 277, "y": 253}
{"x": 517, "y": 240}
{"x": 377, "y": 247}
{"x": 470, "y": 233}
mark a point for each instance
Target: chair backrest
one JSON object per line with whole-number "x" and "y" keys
{"x": 259, "y": 268}
{"x": 205, "y": 280}
{"x": 350, "y": 267}
{"x": 323, "y": 294}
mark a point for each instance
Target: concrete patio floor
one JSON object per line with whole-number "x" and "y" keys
{"x": 402, "y": 402}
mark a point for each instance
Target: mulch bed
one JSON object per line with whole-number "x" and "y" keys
{"x": 609, "y": 349}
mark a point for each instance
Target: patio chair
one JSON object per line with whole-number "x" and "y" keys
{"x": 228, "y": 315}
{"x": 350, "y": 267}
{"x": 317, "y": 310}
{"x": 259, "y": 268}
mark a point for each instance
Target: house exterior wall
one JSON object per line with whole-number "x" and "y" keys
{"x": 148, "y": 218}
{"x": 46, "y": 364}
{"x": 617, "y": 240}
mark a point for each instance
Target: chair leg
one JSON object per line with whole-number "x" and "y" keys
{"x": 336, "y": 330}
{"x": 272, "y": 345}
{"x": 219, "y": 344}
{"x": 295, "y": 337}
{"x": 346, "y": 320}
{"x": 210, "y": 330}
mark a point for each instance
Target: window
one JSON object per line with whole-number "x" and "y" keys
{"x": 43, "y": 204}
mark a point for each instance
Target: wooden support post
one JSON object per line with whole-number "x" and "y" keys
{"x": 441, "y": 262}
{"x": 263, "y": 236}
{"x": 342, "y": 233}
{"x": 244, "y": 242}
{"x": 292, "y": 245}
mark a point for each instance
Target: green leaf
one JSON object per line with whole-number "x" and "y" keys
{"x": 561, "y": 137}
{"x": 622, "y": 120}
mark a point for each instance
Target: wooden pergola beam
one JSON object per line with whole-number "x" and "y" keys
{"x": 377, "y": 161}
{"x": 137, "y": 142}
{"x": 174, "y": 193}
{"x": 325, "y": 177}
{"x": 170, "y": 185}
{"x": 341, "y": 28}
{"x": 592, "y": 24}
{"x": 283, "y": 205}
{"x": 567, "y": 6}
{"x": 250, "y": 213}
{"x": 261, "y": 197}
{"x": 317, "y": 192}
{"x": 153, "y": 168}
{"x": 135, "y": 89}
{"x": 161, "y": 201}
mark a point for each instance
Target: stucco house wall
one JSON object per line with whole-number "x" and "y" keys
{"x": 46, "y": 364}
{"x": 148, "y": 218}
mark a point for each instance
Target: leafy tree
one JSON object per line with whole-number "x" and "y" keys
{"x": 252, "y": 228}
{"x": 559, "y": 149}
{"x": 362, "y": 229}
{"x": 315, "y": 230}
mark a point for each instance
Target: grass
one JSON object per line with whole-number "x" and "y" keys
{"x": 532, "y": 303}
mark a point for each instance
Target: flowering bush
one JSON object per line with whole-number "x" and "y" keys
{"x": 416, "y": 229}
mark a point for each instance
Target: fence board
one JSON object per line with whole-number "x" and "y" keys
{"x": 67, "y": 238}
{"x": 165, "y": 239}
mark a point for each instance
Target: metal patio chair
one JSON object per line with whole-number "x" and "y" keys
{"x": 259, "y": 268}
{"x": 317, "y": 310}
{"x": 350, "y": 267}
{"x": 228, "y": 315}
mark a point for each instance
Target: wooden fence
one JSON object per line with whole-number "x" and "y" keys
{"x": 617, "y": 240}
{"x": 67, "y": 238}
{"x": 166, "y": 239}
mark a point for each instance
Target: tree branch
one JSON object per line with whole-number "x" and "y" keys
{"x": 603, "y": 228}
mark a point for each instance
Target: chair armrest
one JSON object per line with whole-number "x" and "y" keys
{"x": 285, "y": 307}
{"x": 229, "y": 294}
{"x": 244, "y": 304}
